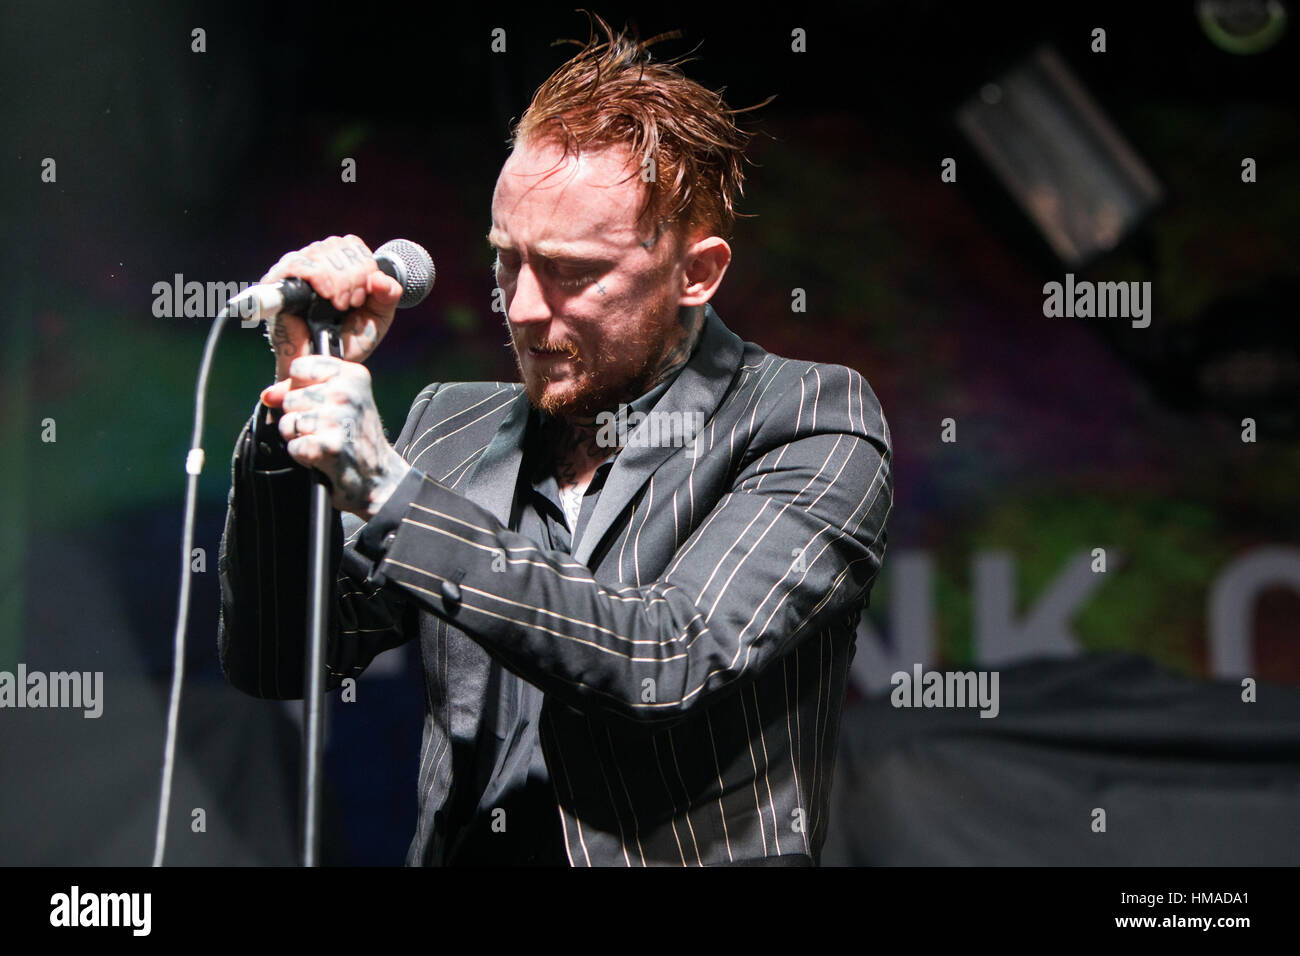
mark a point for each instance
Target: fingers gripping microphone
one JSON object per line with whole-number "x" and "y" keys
{"x": 407, "y": 262}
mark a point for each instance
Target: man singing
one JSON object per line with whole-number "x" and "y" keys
{"x": 636, "y": 640}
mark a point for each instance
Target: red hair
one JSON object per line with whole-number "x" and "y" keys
{"x": 611, "y": 93}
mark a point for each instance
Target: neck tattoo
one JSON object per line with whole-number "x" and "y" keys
{"x": 577, "y": 448}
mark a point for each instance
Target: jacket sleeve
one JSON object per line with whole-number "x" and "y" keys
{"x": 261, "y": 634}
{"x": 794, "y": 544}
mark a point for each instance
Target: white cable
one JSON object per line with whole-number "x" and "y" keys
{"x": 193, "y": 466}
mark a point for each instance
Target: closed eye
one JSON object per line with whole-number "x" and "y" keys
{"x": 575, "y": 280}
{"x": 577, "y": 273}
{"x": 566, "y": 273}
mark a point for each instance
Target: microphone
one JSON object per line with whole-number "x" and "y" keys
{"x": 407, "y": 262}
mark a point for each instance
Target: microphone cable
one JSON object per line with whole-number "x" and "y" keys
{"x": 193, "y": 467}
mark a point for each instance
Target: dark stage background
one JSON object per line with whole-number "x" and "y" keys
{"x": 1120, "y": 690}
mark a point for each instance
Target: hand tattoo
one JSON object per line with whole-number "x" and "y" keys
{"x": 337, "y": 429}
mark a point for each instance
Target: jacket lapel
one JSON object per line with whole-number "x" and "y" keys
{"x": 698, "y": 389}
{"x": 492, "y": 483}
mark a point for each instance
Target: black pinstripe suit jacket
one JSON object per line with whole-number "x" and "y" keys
{"x": 693, "y": 650}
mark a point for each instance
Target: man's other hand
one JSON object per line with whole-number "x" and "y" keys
{"x": 330, "y": 422}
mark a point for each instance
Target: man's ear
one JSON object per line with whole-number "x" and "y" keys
{"x": 706, "y": 263}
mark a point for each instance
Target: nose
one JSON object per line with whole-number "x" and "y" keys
{"x": 528, "y": 304}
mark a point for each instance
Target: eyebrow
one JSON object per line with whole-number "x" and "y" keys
{"x": 552, "y": 249}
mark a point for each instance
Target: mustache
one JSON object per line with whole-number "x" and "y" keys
{"x": 568, "y": 348}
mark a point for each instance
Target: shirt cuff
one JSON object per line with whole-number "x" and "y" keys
{"x": 379, "y": 531}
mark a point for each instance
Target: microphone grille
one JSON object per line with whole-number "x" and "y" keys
{"x": 416, "y": 267}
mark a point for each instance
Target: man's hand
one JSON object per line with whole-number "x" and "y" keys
{"x": 330, "y": 422}
{"x": 343, "y": 270}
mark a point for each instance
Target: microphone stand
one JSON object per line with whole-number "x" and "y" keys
{"x": 325, "y": 323}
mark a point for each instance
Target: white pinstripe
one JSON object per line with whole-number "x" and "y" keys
{"x": 767, "y": 763}
{"x": 456, "y": 431}
{"x": 636, "y": 543}
{"x": 456, "y": 414}
{"x": 473, "y": 456}
{"x": 794, "y": 742}
{"x": 758, "y": 809}
{"x": 622, "y": 836}
{"x": 819, "y": 735}
{"x": 672, "y": 746}
{"x": 564, "y": 771}
{"x": 824, "y": 717}
{"x": 636, "y": 824}
{"x": 726, "y": 835}
{"x": 659, "y": 765}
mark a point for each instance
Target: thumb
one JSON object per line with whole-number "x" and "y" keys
{"x": 273, "y": 395}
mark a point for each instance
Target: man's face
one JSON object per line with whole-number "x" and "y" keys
{"x": 591, "y": 299}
